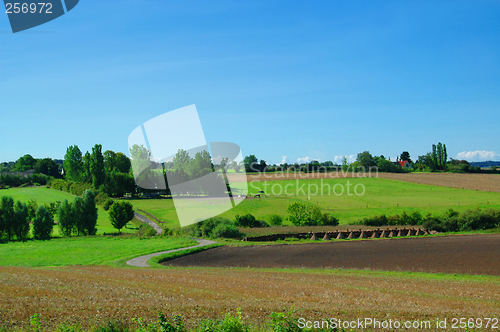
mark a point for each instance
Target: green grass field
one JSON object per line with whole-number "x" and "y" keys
{"x": 92, "y": 250}
{"x": 45, "y": 195}
{"x": 381, "y": 196}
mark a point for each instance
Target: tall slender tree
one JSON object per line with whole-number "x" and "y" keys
{"x": 97, "y": 166}
{"x": 22, "y": 224}
{"x": 89, "y": 213}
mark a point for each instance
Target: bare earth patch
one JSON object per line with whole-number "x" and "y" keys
{"x": 483, "y": 182}
{"x": 467, "y": 254}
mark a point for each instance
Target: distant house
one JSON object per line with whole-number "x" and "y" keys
{"x": 23, "y": 174}
{"x": 405, "y": 164}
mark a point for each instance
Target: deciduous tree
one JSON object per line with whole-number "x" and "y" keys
{"x": 73, "y": 166}
{"x": 120, "y": 213}
{"x": 43, "y": 224}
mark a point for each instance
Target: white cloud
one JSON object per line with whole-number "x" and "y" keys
{"x": 478, "y": 155}
{"x": 306, "y": 160}
{"x": 350, "y": 159}
{"x": 285, "y": 160}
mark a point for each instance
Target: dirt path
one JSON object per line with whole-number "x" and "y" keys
{"x": 143, "y": 260}
{"x": 148, "y": 221}
{"x": 466, "y": 254}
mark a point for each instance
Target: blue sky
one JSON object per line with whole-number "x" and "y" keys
{"x": 315, "y": 80}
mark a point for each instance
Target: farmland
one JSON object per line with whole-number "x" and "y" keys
{"x": 464, "y": 254}
{"x": 91, "y": 295}
{"x": 381, "y": 196}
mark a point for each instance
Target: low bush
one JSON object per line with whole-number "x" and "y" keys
{"x": 275, "y": 220}
{"x": 249, "y": 221}
{"x": 145, "y": 230}
{"x": 302, "y": 214}
{"x": 216, "y": 227}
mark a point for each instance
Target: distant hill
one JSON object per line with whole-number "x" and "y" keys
{"x": 485, "y": 164}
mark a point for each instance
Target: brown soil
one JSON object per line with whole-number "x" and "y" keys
{"x": 92, "y": 295}
{"x": 483, "y": 182}
{"x": 467, "y": 254}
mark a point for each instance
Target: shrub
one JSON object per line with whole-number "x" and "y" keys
{"x": 215, "y": 227}
{"x": 275, "y": 220}
{"x": 302, "y": 214}
{"x": 328, "y": 219}
{"x": 226, "y": 230}
{"x": 146, "y": 230}
{"x": 284, "y": 321}
{"x": 249, "y": 221}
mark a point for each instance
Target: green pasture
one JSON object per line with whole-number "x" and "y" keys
{"x": 45, "y": 195}
{"x": 349, "y": 199}
{"x": 89, "y": 250}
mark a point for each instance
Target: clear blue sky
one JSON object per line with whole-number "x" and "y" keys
{"x": 316, "y": 79}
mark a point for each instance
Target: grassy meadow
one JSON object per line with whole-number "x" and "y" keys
{"x": 88, "y": 250}
{"x": 45, "y": 195}
{"x": 381, "y": 196}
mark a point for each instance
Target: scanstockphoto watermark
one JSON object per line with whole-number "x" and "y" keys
{"x": 26, "y": 14}
{"x": 454, "y": 323}
{"x": 311, "y": 189}
{"x": 311, "y": 172}
{"x": 298, "y": 188}
{"x": 365, "y": 323}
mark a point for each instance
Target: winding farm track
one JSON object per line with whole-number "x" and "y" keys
{"x": 482, "y": 182}
{"x": 148, "y": 221}
{"x": 463, "y": 254}
{"x": 142, "y": 261}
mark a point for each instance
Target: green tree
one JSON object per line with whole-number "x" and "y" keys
{"x": 251, "y": 163}
{"x": 365, "y": 159}
{"x": 73, "y": 165}
{"x": 122, "y": 163}
{"x": 109, "y": 161}
{"x": 32, "y": 207}
{"x": 120, "y": 213}
{"x": 345, "y": 164}
{"x": 439, "y": 157}
{"x": 25, "y": 163}
{"x": 22, "y": 224}
{"x": 79, "y": 216}
{"x": 87, "y": 174}
{"x": 7, "y": 217}
{"x": 181, "y": 160}
{"x": 43, "y": 224}
{"x": 89, "y": 213}
{"x": 67, "y": 222}
{"x": 405, "y": 156}
{"x": 97, "y": 166}
{"x": 47, "y": 166}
